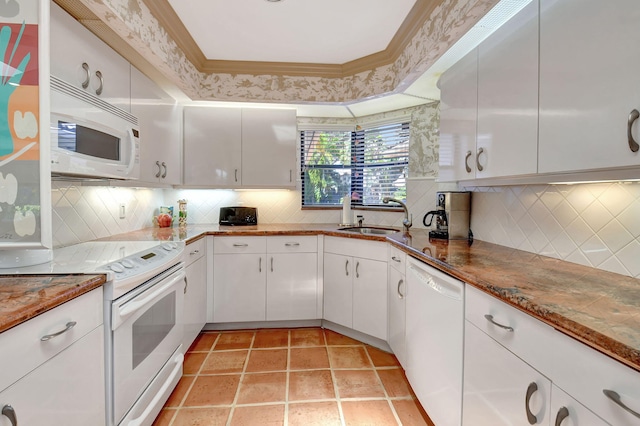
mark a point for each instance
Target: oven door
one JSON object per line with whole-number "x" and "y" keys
{"x": 147, "y": 330}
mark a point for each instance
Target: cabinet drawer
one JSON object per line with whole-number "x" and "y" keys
{"x": 292, "y": 244}
{"x": 527, "y": 336}
{"x": 352, "y": 247}
{"x": 231, "y": 245}
{"x": 194, "y": 251}
{"x": 397, "y": 259}
{"x": 27, "y": 351}
{"x": 584, "y": 373}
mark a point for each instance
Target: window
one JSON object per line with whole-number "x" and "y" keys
{"x": 369, "y": 164}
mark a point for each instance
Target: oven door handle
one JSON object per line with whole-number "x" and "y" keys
{"x": 136, "y": 304}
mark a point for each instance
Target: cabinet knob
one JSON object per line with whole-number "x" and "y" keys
{"x": 99, "y": 89}
{"x": 633, "y": 116}
{"x": 10, "y": 413}
{"x": 478, "y": 165}
{"x": 563, "y": 413}
{"x": 615, "y": 397}
{"x": 87, "y": 79}
{"x": 531, "y": 389}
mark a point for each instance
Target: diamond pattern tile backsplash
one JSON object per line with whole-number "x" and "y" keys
{"x": 596, "y": 225}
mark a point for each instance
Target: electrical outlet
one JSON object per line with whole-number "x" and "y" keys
{"x": 122, "y": 211}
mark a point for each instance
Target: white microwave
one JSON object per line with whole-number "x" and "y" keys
{"x": 90, "y": 137}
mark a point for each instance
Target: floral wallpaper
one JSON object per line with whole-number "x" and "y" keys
{"x": 133, "y": 22}
{"x": 424, "y": 147}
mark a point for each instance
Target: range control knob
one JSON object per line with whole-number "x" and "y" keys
{"x": 169, "y": 246}
{"x": 117, "y": 267}
{"x": 127, "y": 263}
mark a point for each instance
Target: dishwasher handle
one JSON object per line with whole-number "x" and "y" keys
{"x": 450, "y": 288}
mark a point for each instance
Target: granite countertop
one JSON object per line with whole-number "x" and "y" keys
{"x": 23, "y": 297}
{"x": 599, "y": 308}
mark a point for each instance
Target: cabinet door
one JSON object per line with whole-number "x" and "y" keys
{"x": 239, "y": 287}
{"x": 268, "y": 148}
{"x": 69, "y": 389}
{"x": 566, "y": 411}
{"x": 397, "y": 309}
{"x": 589, "y": 61}
{"x": 72, "y": 45}
{"x": 160, "y": 136}
{"x": 292, "y": 286}
{"x": 370, "y": 297}
{"x": 338, "y": 289}
{"x": 195, "y": 301}
{"x": 496, "y": 383}
{"x": 212, "y": 146}
{"x": 458, "y": 118}
{"x": 508, "y": 82}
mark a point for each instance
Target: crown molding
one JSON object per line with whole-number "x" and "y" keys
{"x": 169, "y": 20}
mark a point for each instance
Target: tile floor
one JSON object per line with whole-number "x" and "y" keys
{"x": 308, "y": 376}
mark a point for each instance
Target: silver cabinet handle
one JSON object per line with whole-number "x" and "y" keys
{"x": 531, "y": 389}
{"x": 400, "y": 295}
{"x": 563, "y": 413}
{"x": 10, "y": 413}
{"x": 260, "y": 264}
{"x": 99, "y": 89}
{"x": 236, "y": 174}
{"x": 466, "y": 161}
{"x": 357, "y": 266}
{"x": 186, "y": 284}
{"x": 615, "y": 397}
{"x": 87, "y": 79}
{"x": 395, "y": 259}
{"x": 68, "y": 327}
{"x": 271, "y": 263}
{"x": 505, "y": 327}
{"x": 164, "y": 165}
{"x": 194, "y": 252}
{"x": 240, "y": 245}
{"x": 633, "y": 116}
{"x": 478, "y": 165}
{"x": 291, "y": 244}
{"x": 346, "y": 268}
{"x": 159, "y": 169}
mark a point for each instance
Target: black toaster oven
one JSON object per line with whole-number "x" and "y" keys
{"x": 238, "y": 216}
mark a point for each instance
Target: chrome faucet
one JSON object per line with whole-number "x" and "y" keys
{"x": 406, "y": 222}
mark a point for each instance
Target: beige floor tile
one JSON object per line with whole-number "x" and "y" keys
{"x": 164, "y": 417}
{"x": 234, "y": 340}
{"x": 267, "y": 360}
{"x": 307, "y": 337}
{"x": 337, "y": 339}
{"x": 214, "y": 416}
{"x": 395, "y": 383}
{"x": 204, "y": 342}
{"x": 264, "y": 415}
{"x": 262, "y": 387}
{"x": 348, "y": 357}
{"x": 308, "y": 385}
{"x": 271, "y": 339}
{"x": 224, "y": 362}
{"x": 411, "y": 413}
{"x": 382, "y": 358}
{"x": 192, "y": 362}
{"x": 178, "y": 394}
{"x": 308, "y": 358}
{"x": 213, "y": 390}
{"x": 368, "y": 413}
{"x": 314, "y": 414}
{"x": 358, "y": 384}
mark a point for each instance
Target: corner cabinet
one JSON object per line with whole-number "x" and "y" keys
{"x": 160, "y": 136}
{"x": 239, "y": 147}
{"x": 589, "y": 62}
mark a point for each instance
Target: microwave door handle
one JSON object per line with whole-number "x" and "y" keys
{"x": 132, "y": 154}
{"x": 136, "y": 304}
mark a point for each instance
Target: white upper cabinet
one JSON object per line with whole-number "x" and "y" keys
{"x": 160, "y": 136}
{"x": 212, "y": 146}
{"x": 458, "y": 119}
{"x": 83, "y": 60}
{"x": 589, "y": 65}
{"x": 233, "y": 147}
{"x": 507, "y": 142}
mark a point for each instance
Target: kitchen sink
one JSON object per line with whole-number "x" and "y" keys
{"x": 369, "y": 230}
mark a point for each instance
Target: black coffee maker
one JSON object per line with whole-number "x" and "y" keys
{"x": 440, "y": 216}
{"x": 451, "y": 216}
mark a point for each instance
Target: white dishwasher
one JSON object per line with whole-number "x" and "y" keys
{"x": 434, "y": 338}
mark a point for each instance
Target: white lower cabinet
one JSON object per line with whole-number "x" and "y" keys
{"x": 292, "y": 286}
{"x": 500, "y": 388}
{"x": 566, "y": 411}
{"x": 355, "y": 287}
{"x": 239, "y": 287}
{"x": 397, "y": 314}
{"x": 195, "y": 292}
